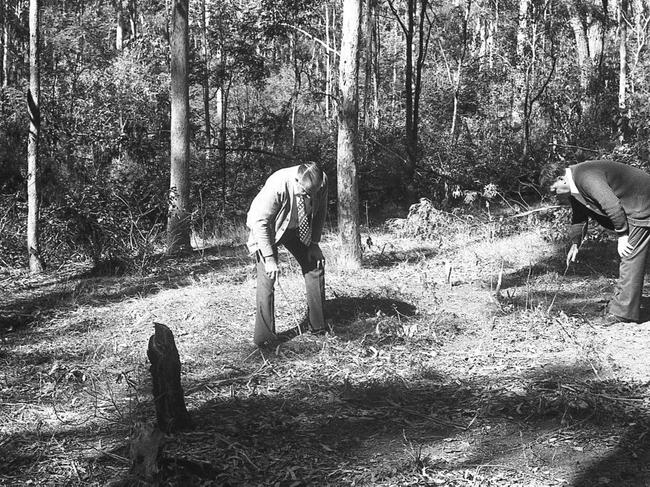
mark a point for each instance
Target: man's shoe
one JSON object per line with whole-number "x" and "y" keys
{"x": 611, "y": 319}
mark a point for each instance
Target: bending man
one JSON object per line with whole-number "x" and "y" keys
{"x": 617, "y": 196}
{"x": 289, "y": 210}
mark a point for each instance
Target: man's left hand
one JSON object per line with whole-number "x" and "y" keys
{"x": 625, "y": 248}
{"x": 315, "y": 253}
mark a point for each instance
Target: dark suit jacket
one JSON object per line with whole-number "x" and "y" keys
{"x": 614, "y": 194}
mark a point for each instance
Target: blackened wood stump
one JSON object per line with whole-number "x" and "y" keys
{"x": 171, "y": 412}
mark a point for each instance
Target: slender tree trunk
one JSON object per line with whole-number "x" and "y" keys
{"x": 3, "y": 21}
{"x": 375, "y": 70}
{"x": 369, "y": 23}
{"x": 178, "y": 223}
{"x": 589, "y": 32}
{"x": 133, "y": 18}
{"x": 36, "y": 264}
{"x": 411, "y": 137}
{"x": 348, "y": 192}
{"x": 206, "y": 82}
{"x": 120, "y": 27}
{"x": 5, "y": 45}
{"x": 328, "y": 65}
{"x": 516, "y": 116}
{"x": 622, "y": 78}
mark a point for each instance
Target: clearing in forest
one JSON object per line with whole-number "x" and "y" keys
{"x": 463, "y": 359}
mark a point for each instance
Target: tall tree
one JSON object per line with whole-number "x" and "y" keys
{"x": 519, "y": 66}
{"x": 5, "y": 43}
{"x": 587, "y": 21}
{"x": 36, "y": 264}
{"x": 416, "y": 28}
{"x": 622, "y": 77}
{"x": 206, "y": 81}
{"x": 348, "y": 190}
{"x": 178, "y": 222}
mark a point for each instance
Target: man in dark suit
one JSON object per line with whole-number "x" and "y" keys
{"x": 617, "y": 196}
{"x": 290, "y": 210}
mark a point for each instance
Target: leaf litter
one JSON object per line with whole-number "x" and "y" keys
{"x": 431, "y": 376}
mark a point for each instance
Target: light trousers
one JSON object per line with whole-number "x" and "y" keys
{"x": 314, "y": 285}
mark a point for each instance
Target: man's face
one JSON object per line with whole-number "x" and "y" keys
{"x": 303, "y": 188}
{"x": 561, "y": 186}
{"x": 562, "y": 190}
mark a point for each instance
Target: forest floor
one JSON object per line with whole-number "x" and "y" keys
{"x": 471, "y": 359}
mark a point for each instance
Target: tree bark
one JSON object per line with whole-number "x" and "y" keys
{"x": 589, "y": 34}
{"x": 36, "y": 264}
{"x": 120, "y": 27}
{"x": 171, "y": 413}
{"x": 519, "y": 75}
{"x": 328, "y": 64}
{"x": 348, "y": 192}
{"x": 622, "y": 78}
{"x": 206, "y": 82}
{"x": 5, "y": 45}
{"x": 178, "y": 223}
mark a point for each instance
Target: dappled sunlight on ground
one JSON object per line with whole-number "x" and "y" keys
{"x": 473, "y": 361}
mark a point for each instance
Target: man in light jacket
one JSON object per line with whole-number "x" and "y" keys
{"x": 617, "y": 196}
{"x": 290, "y": 210}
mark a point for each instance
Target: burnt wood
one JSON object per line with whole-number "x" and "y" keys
{"x": 171, "y": 412}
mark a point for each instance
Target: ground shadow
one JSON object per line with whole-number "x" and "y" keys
{"x": 366, "y": 432}
{"x": 20, "y": 305}
{"x": 405, "y": 423}
{"x": 388, "y": 256}
{"x": 583, "y": 289}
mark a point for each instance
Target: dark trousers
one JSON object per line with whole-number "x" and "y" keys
{"x": 314, "y": 284}
{"x": 627, "y": 296}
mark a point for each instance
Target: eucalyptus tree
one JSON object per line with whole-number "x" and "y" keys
{"x": 36, "y": 263}
{"x": 347, "y": 153}
{"x": 178, "y": 220}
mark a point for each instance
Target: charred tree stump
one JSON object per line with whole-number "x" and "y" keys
{"x": 166, "y": 374}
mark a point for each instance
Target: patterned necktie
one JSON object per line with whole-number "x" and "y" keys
{"x": 304, "y": 225}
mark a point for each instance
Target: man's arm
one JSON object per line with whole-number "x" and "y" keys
{"x": 261, "y": 216}
{"x": 579, "y": 222}
{"x": 595, "y": 186}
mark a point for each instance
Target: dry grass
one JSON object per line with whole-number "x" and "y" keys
{"x": 430, "y": 377}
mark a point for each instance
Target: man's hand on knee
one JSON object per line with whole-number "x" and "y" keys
{"x": 625, "y": 248}
{"x": 314, "y": 253}
{"x": 271, "y": 267}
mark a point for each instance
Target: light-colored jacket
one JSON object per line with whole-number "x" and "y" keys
{"x": 270, "y": 211}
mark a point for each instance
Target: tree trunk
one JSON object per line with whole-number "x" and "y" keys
{"x": 133, "y": 18}
{"x": 348, "y": 192}
{"x": 516, "y": 116}
{"x": 622, "y": 78}
{"x": 206, "y": 83}
{"x": 411, "y": 136}
{"x": 370, "y": 27}
{"x": 5, "y": 45}
{"x": 36, "y": 264}
{"x": 589, "y": 34}
{"x": 120, "y": 27}
{"x": 178, "y": 223}
{"x": 375, "y": 71}
{"x": 328, "y": 64}
{"x": 3, "y": 21}
{"x": 165, "y": 369}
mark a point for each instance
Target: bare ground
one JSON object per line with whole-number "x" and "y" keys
{"x": 472, "y": 361}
